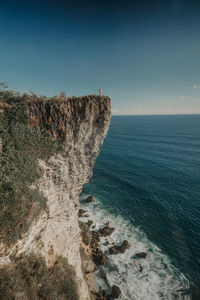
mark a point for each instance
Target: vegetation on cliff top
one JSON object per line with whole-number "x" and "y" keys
{"x": 28, "y": 277}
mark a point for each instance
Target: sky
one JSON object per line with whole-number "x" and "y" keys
{"x": 144, "y": 54}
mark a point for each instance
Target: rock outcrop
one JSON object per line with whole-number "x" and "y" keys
{"x": 141, "y": 255}
{"x": 119, "y": 249}
{"x": 89, "y": 199}
{"x": 80, "y": 125}
{"x": 116, "y": 292}
{"x": 98, "y": 255}
{"x": 107, "y": 230}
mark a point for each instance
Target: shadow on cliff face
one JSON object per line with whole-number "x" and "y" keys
{"x": 64, "y": 116}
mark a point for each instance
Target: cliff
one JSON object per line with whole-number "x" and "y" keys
{"x": 48, "y": 150}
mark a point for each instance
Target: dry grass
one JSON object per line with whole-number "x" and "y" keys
{"x": 29, "y": 278}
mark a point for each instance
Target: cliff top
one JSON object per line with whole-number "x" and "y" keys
{"x": 58, "y": 114}
{"x": 9, "y": 97}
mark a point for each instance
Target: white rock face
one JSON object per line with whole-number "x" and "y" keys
{"x": 56, "y": 231}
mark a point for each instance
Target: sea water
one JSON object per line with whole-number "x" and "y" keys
{"x": 146, "y": 182}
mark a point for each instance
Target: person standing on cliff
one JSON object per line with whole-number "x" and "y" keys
{"x": 100, "y": 92}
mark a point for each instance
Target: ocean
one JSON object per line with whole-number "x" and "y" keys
{"x": 146, "y": 182}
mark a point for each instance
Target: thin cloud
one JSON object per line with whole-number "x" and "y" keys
{"x": 196, "y": 86}
{"x": 183, "y": 97}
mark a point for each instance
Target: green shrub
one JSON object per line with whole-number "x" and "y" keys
{"x": 28, "y": 277}
{"x": 22, "y": 146}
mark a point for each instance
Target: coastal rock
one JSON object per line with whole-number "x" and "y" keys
{"x": 88, "y": 265}
{"x": 81, "y": 212}
{"x": 141, "y": 255}
{"x": 107, "y": 230}
{"x": 119, "y": 249}
{"x": 89, "y": 222}
{"x": 113, "y": 250}
{"x": 125, "y": 245}
{"x": 89, "y": 199}
{"x": 107, "y": 243}
{"x": 101, "y": 294}
{"x": 85, "y": 233}
{"x": 98, "y": 255}
{"x": 95, "y": 239}
{"x": 116, "y": 292}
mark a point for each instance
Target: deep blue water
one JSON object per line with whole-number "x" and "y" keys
{"x": 148, "y": 172}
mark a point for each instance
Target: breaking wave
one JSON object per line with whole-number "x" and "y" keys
{"x": 159, "y": 279}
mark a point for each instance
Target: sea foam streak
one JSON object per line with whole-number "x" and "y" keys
{"x": 159, "y": 278}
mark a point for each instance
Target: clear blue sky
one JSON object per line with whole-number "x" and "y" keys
{"x": 144, "y": 54}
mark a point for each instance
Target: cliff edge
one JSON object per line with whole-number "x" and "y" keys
{"x": 48, "y": 148}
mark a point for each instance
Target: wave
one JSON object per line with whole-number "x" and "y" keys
{"x": 159, "y": 279}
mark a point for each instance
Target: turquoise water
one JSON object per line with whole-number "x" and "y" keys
{"x": 146, "y": 180}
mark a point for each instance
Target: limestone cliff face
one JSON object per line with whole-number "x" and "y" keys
{"x": 81, "y": 124}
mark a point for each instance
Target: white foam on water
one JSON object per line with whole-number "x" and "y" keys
{"x": 159, "y": 278}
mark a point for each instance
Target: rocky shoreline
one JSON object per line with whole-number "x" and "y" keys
{"x": 91, "y": 239}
